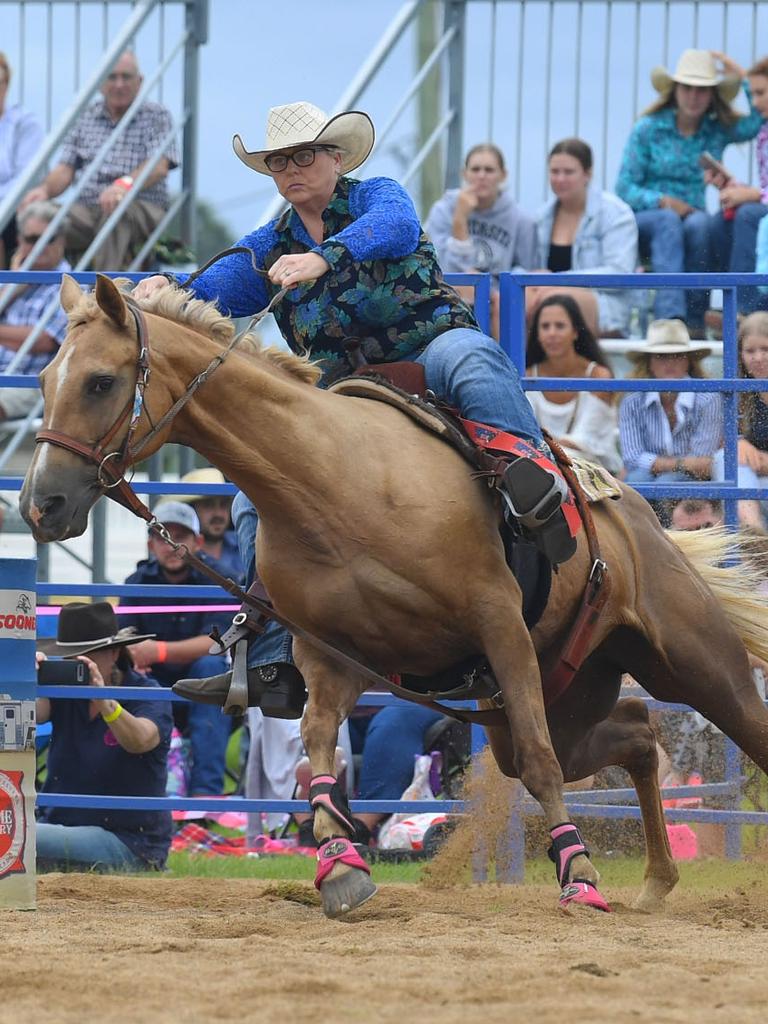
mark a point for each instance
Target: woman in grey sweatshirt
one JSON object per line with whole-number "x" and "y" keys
{"x": 479, "y": 228}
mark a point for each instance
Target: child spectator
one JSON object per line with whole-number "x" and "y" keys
{"x": 753, "y": 419}
{"x": 661, "y": 177}
{"x": 561, "y": 345}
{"x": 669, "y": 436}
{"x": 479, "y": 229}
{"x": 585, "y": 230}
{"x": 20, "y": 137}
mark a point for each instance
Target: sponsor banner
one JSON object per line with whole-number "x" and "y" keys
{"x": 17, "y": 845}
{"x": 18, "y": 619}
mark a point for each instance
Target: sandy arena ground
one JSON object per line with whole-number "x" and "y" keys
{"x": 160, "y": 950}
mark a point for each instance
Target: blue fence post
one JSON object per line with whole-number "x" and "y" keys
{"x": 17, "y": 733}
{"x": 480, "y": 851}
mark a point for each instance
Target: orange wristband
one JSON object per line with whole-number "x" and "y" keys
{"x": 162, "y": 651}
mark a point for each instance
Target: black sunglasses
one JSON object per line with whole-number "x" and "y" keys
{"x": 277, "y": 162}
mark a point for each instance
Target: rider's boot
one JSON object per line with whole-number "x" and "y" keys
{"x": 278, "y": 689}
{"x": 534, "y": 497}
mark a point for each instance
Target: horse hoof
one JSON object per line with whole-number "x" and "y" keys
{"x": 581, "y": 894}
{"x": 351, "y": 889}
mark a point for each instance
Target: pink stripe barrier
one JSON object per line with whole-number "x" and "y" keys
{"x": 151, "y": 609}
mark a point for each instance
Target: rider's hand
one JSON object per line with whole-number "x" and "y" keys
{"x": 148, "y": 285}
{"x": 289, "y": 270}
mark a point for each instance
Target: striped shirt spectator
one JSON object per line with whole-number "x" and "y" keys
{"x": 646, "y": 433}
{"x": 139, "y": 140}
{"x": 24, "y": 311}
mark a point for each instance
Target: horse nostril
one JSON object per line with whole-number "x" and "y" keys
{"x": 52, "y": 506}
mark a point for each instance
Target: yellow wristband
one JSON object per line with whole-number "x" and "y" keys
{"x": 115, "y": 714}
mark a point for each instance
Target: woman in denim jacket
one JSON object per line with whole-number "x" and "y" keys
{"x": 584, "y": 230}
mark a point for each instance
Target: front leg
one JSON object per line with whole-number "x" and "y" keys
{"x": 514, "y": 663}
{"x": 343, "y": 877}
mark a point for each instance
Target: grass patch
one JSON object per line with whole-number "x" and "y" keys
{"x": 704, "y": 875}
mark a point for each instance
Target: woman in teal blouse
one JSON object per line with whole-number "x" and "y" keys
{"x": 661, "y": 177}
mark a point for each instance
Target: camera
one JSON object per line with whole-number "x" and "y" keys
{"x": 58, "y": 672}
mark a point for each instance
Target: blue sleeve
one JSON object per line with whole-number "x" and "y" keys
{"x": 633, "y": 173}
{"x": 385, "y": 226}
{"x": 746, "y": 127}
{"x": 232, "y": 283}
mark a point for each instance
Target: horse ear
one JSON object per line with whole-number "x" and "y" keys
{"x": 110, "y": 300}
{"x": 69, "y": 293}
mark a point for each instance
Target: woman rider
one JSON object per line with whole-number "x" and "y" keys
{"x": 358, "y": 263}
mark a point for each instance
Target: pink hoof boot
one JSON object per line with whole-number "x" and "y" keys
{"x": 350, "y": 889}
{"x": 583, "y": 894}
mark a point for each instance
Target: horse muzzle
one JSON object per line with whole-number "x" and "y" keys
{"x": 51, "y": 516}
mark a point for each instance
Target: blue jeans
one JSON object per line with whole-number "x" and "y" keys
{"x": 469, "y": 370}
{"x": 208, "y": 730}
{"x": 83, "y": 847}
{"x": 389, "y": 741}
{"x": 734, "y": 245}
{"x": 677, "y": 245}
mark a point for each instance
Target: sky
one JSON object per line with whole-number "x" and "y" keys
{"x": 532, "y": 76}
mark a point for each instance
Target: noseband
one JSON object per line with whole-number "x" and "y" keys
{"x": 112, "y": 465}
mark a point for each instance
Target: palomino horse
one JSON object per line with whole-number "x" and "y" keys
{"x": 375, "y": 536}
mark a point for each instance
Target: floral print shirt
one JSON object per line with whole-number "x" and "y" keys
{"x": 659, "y": 161}
{"x": 384, "y": 287}
{"x": 761, "y": 147}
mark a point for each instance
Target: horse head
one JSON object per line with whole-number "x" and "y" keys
{"x": 88, "y": 391}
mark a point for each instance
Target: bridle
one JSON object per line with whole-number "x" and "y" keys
{"x": 111, "y": 466}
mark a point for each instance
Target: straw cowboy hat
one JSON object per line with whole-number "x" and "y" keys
{"x": 83, "y": 628}
{"x": 303, "y": 124}
{"x": 668, "y": 338}
{"x": 696, "y": 67}
{"x": 207, "y": 475}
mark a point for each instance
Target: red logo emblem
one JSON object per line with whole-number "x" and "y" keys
{"x": 13, "y": 824}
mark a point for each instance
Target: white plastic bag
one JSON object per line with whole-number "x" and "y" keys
{"x": 405, "y": 831}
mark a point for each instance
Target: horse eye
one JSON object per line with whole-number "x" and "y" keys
{"x": 100, "y": 385}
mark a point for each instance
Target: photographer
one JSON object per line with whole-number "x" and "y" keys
{"x": 103, "y": 746}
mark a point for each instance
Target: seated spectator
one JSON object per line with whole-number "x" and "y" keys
{"x": 214, "y": 514}
{"x": 182, "y": 642}
{"x": 669, "y": 436}
{"x": 479, "y": 229}
{"x": 27, "y": 305}
{"x": 561, "y": 345}
{"x": 735, "y": 227}
{"x": 103, "y": 746}
{"x": 585, "y": 230}
{"x": 696, "y": 514}
{"x": 753, "y": 419}
{"x": 20, "y": 137}
{"x": 115, "y": 177}
{"x": 661, "y": 177}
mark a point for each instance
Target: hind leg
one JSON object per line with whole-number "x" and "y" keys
{"x": 627, "y": 739}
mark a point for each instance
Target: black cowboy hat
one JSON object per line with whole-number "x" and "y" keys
{"x": 83, "y": 628}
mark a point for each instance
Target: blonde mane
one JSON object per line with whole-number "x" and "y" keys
{"x": 181, "y": 307}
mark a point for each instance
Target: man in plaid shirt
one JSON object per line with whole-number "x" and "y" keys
{"x": 114, "y": 179}
{"x": 27, "y": 306}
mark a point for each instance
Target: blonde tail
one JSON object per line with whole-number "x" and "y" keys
{"x": 740, "y": 588}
